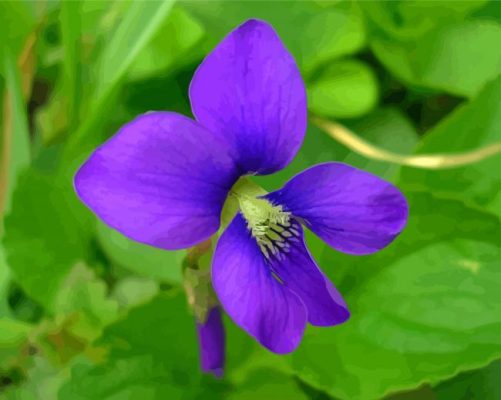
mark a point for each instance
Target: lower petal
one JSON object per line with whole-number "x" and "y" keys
{"x": 299, "y": 272}
{"x": 251, "y": 295}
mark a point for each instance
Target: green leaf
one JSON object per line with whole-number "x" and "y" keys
{"x": 43, "y": 381}
{"x": 423, "y": 309}
{"x": 325, "y": 33}
{"x": 82, "y": 309}
{"x": 132, "y": 291}
{"x": 84, "y": 294}
{"x": 46, "y": 233}
{"x": 163, "y": 321}
{"x": 147, "y": 359}
{"x": 414, "y": 11}
{"x": 331, "y": 34}
{"x": 267, "y": 384}
{"x": 410, "y": 20}
{"x": 161, "y": 55}
{"x": 394, "y": 57}
{"x": 13, "y": 335}
{"x": 139, "y": 377}
{"x": 132, "y": 378}
{"x": 474, "y": 125}
{"x": 491, "y": 11}
{"x": 482, "y": 384}
{"x": 140, "y": 258}
{"x": 346, "y": 89}
{"x": 442, "y": 58}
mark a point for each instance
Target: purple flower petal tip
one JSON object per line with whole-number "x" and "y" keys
{"x": 296, "y": 269}
{"x": 211, "y": 339}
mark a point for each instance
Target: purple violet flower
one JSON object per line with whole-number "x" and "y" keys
{"x": 163, "y": 180}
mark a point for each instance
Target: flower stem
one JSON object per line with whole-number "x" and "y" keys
{"x": 427, "y": 161}
{"x": 197, "y": 280}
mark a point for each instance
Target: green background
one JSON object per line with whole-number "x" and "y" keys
{"x": 87, "y": 314}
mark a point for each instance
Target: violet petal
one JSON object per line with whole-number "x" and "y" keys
{"x": 249, "y": 89}
{"x": 297, "y": 269}
{"x": 351, "y": 210}
{"x": 251, "y": 295}
{"x": 161, "y": 180}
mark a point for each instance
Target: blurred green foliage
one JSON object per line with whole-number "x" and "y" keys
{"x": 87, "y": 314}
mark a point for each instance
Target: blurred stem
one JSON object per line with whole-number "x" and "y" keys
{"x": 197, "y": 280}
{"x": 427, "y": 161}
{"x": 15, "y": 139}
{"x": 71, "y": 37}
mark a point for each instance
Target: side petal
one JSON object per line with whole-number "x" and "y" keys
{"x": 351, "y": 210}
{"x": 161, "y": 180}
{"x": 211, "y": 340}
{"x": 251, "y": 295}
{"x": 250, "y": 90}
{"x": 294, "y": 265}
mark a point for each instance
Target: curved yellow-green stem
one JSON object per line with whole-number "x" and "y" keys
{"x": 428, "y": 161}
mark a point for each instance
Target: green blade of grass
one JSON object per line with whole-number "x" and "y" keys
{"x": 70, "y": 21}
{"x": 140, "y": 23}
{"x": 15, "y": 133}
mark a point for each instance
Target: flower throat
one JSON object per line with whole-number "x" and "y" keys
{"x": 269, "y": 224}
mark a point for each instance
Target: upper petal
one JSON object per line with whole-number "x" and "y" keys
{"x": 161, "y": 180}
{"x": 251, "y": 295}
{"x": 350, "y": 209}
{"x": 249, "y": 89}
{"x": 297, "y": 269}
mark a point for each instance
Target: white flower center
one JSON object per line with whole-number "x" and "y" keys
{"x": 269, "y": 224}
{"x": 273, "y": 228}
